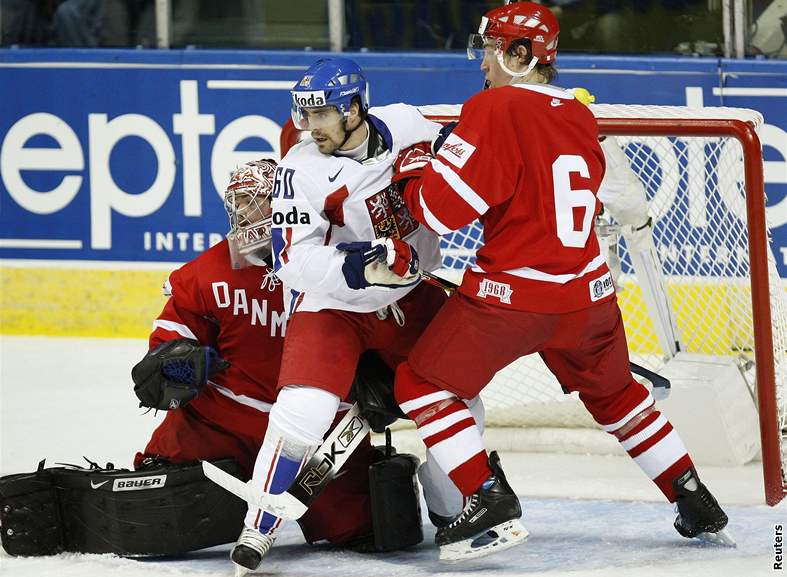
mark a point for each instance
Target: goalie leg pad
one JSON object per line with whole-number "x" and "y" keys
{"x": 166, "y": 510}
{"x": 29, "y": 514}
{"x": 396, "y": 505}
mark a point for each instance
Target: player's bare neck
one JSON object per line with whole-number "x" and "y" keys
{"x": 532, "y": 78}
{"x": 357, "y": 138}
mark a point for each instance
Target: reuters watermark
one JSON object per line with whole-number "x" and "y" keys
{"x": 778, "y": 547}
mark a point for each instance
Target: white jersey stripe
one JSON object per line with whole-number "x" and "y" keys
{"x": 535, "y": 274}
{"x": 261, "y": 406}
{"x": 460, "y": 187}
{"x": 662, "y": 455}
{"x": 420, "y": 402}
{"x": 457, "y": 449}
{"x": 645, "y": 433}
{"x": 174, "y": 327}
{"x": 611, "y": 428}
{"x": 443, "y": 423}
{"x": 431, "y": 220}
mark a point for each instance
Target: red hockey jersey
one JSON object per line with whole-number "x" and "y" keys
{"x": 525, "y": 160}
{"x": 241, "y": 314}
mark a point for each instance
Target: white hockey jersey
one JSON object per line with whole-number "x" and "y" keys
{"x": 321, "y": 200}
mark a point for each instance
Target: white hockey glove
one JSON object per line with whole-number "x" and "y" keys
{"x": 621, "y": 191}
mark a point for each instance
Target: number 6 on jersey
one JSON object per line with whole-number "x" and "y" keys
{"x": 567, "y": 200}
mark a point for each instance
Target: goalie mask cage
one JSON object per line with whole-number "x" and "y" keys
{"x": 702, "y": 169}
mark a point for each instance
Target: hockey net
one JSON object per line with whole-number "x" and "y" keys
{"x": 702, "y": 171}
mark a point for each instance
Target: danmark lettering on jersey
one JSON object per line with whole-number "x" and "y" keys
{"x": 601, "y": 287}
{"x": 291, "y": 218}
{"x": 313, "y": 98}
{"x": 257, "y": 310}
{"x": 498, "y": 290}
{"x": 140, "y": 483}
{"x": 456, "y": 150}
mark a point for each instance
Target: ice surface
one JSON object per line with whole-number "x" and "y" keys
{"x": 64, "y": 398}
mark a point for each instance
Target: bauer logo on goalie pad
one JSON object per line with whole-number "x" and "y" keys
{"x": 499, "y": 290}
{"x": 140, "y": 483}
{"x": 601, "y": 287}
{"x": 456, "y": 150}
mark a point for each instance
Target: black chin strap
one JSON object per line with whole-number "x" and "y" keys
{"x": 347, "y": 133}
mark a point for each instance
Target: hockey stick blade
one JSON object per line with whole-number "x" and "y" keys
{"x": 313, "y": 478}
{"x": 661, "y": 385}
{"x": 283, "y": 505}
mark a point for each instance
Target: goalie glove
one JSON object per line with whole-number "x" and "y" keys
{"x": 173, "y": 373}
{"x": 387, "y": 262}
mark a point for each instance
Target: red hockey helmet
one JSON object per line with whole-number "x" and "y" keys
{"x": 516, "y": 21}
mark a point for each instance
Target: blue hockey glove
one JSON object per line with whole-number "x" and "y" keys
{"x": 384, "y": 262}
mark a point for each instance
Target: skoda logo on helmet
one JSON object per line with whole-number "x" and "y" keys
{"x": 308, "y": 99}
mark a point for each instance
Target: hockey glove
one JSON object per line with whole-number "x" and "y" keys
{"x": 387, "y": 262}
{"x": 444, "y": 133}
{"x": 411, "y": 162}
{"x": 173, "y": 373}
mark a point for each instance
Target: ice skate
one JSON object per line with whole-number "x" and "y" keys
{"x": 488, "y": 523}
{"x": 699, "y": 514}
{"x": 249, "y": 550}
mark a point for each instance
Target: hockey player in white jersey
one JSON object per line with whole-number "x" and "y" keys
{"x": 338, "y": 226}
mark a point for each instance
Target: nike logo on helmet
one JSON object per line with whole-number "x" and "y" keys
{"x": 335, "y": 176}
{"x": 97, "y": 485}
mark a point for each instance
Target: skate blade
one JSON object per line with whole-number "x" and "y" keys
{"x": 504, "y": 536}
{"x": 241, "y": 571}
{"x": 722, "y": 538}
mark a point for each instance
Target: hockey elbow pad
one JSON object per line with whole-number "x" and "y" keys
{"x": 172, "y": 374}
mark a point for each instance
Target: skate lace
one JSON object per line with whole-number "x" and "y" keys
{"x": 466, "y": 512}
{"x": 256, "y": 540}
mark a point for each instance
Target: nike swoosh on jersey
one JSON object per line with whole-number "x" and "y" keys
{"x": 97, "y": 485}
{"x": 335, "y": 176}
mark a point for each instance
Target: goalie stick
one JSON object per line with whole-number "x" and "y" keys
{"x": 313, "y": 478}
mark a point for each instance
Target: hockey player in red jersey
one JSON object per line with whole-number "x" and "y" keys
{"x": 222, "y": 306}
{"x": 525, "y": 159}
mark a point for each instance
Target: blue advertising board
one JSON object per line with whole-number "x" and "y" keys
{"x": 114, "y": 155}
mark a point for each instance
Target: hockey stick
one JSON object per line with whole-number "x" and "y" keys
{"x": 438, "y": 281}
{"x": 313, "y": 478}
{"x": 661, "y": 385}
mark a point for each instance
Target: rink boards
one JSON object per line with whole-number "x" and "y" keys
{"x": 113, "y": 161}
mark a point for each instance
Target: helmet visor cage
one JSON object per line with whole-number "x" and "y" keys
{"x": 312, "y": 118}
{"x": 248, "y": 205}
{"x": 480, "y": 46}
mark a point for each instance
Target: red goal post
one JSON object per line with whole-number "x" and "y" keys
{"x": 703, "y": 171}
